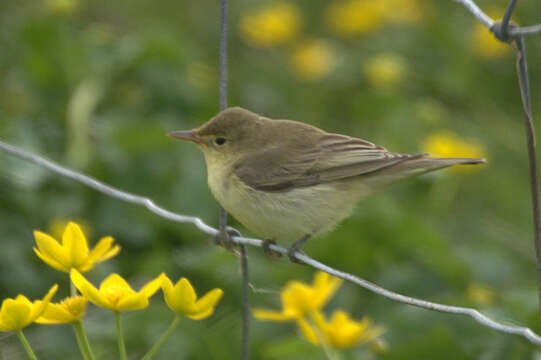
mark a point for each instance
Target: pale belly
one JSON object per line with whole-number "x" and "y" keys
{"x": 287, "y": 216}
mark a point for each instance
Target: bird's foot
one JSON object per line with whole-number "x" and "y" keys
{"x": 295, "y": 249}
{"x": 275, "y": 255}
{"x": 223, "y": 238}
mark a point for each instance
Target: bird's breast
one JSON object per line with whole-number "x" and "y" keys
{"x": 282, "y": 216}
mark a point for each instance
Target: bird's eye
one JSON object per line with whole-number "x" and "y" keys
{"x": 219, "y": 141}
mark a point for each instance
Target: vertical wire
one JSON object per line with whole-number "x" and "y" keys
{"x": 223, "y": 213}
{"x": 524, "y": 83}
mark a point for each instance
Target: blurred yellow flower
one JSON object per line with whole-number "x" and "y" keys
{"x": 182, "y": 299}
{"x": 18, "y": 313}
{"x": 114, "y": 292}
{"x": 67, "y": 311}
{"x": 448, "y": 144}
{"x": 485, "y": 43}
{"x": 313, "y": 59}
{"x": 385, "y": 71}
{"x": 480, "y": 294}
{"x": 404, "y": 11}
{"x": 73, "y": 253}
{"x": 354, "y": 17}
{"x": 299, "y": 299}
{"x": 271, "y": 25}
{"x": 62, "y": 6}
{"x": 341, "y": 331}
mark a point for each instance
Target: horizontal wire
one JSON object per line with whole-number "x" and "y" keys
{"x": 525, "y": 332}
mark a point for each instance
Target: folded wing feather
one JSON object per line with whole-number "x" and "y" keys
{"x": 334, "y": 157}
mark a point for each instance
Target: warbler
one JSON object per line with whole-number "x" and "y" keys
{"x": 287, "y": 180}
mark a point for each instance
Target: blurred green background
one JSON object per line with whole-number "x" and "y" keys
{"x": 96, "y": 85}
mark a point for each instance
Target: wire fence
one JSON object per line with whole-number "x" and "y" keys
{"x": 514, "y": 36}
{"x": 503, "y": 30}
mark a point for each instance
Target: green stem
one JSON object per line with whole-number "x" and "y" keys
{"x": 120, "y": 337}
{"x": 329, "y": 353}
{"x": 162, "y": 339}
{"x": 26, "y": 345}
{"x": 73, "y": 289}
{"x": 82, "y": 341}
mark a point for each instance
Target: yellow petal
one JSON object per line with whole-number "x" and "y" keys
{"x": 308, "y": 331}
{"x": 50, "y": 248}
{"x": 55, "y": 314}
{"x": 167, "y": 288}
{"x": 74, "y": 241}
{"x": 101, "y": 252}
{"x": 23, "y": 300}
{"x": 38, "y": 307}
{"x": 183, "y": 297}
{"x": 14, "y": 315}
{"x": 209, "y": 300}
{"x": 109, "y": 254}
{"x": 298, "y": 299}
{"x": 201, "y": 315}
{"x": 262, "y": 314}
{"x": 51, "y": 262}
{"x": 325, "y": 286}
{"x": 136, "y": 301}
{"x": 116, "y": 282}
{"x": 150, "y": 288}
{"x": 68, "y": 310}
{"x": 88, "y": 290}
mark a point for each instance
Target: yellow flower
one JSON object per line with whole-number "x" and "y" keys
{"x": 448, "y": 144}
{"x": 182, "y": 299}
{"x": 18, "y": 313}
{"x": 485, "y": 43}
{"x": 67, "y": 311}
{"x": 341, "y": 331}
{"x": 354, "y": 17}
{"x": 73, "y": 253}
{"x": 299, "y": 299}
{"x": 271, "y": 26}
{"x": 114, "y": 292}
{"x": 313, "y": 60}
{"x": 386, "y": 70}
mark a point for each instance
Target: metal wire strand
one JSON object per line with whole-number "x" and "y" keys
{"x": 484, "y": 320}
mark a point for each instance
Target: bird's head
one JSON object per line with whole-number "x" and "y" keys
{"x": 228, "y": 136}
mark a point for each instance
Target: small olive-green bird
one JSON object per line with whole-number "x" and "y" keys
{"x": 286, "y": 180}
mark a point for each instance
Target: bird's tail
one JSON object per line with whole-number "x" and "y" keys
{"x": 419, "y": 164}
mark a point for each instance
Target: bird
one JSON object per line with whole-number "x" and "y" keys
{"x": 290, "y": 181}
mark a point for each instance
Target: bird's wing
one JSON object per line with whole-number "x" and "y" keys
{"x": 334, "y": 157}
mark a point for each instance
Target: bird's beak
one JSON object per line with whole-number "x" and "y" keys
{"x": 188, "y": 135}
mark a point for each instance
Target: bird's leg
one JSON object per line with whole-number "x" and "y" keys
{"x": 268, "y": 251}
{"x": 223, "y": 238}
{"x": 296, "y": 248}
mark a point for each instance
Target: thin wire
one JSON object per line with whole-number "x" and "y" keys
{"x": 524, "y": 83}
{"x": 502, "y": 32}
{"x": 477, "y": 12}
{"x": 507, "y": 17}
{"x": 150, "y": 205}
{"x": 526, "y": 30}
{"x": 245, "y": 303}
{"x": 223, "y": 86}
{"x": 488, "y": 22}
{"x": 223, "y": 214}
